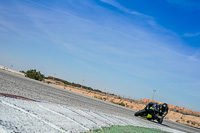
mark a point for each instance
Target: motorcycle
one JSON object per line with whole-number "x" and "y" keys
{"x": 148, "y": 111}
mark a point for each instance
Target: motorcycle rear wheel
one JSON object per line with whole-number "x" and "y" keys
{"x": 140, "y": 112}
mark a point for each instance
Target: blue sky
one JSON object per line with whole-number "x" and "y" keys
{"x": 129, "y": 48}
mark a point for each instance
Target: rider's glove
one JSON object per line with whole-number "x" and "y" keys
{"x": 160, "y": 117}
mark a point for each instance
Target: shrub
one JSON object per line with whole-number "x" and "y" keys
{"x": 122, "y": 104}
{"x": 33, "y": 74}
{"x": 193, "y": 123}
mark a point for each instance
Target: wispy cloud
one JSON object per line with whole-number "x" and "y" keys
{"x": 143, "y": 37}
{"x": 124, "y": 9}
{"x": 191, "y": 34}
{"x": 139, "y": 35}
{"x": 149, "y": 20}
{"x": 59, "y": 11}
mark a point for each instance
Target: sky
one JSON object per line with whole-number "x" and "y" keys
{"x": 128, "y": 48}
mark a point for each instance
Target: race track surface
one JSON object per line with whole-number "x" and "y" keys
{"x": 17, "y": 85}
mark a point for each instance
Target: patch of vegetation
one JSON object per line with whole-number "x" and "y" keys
{"x": 121, "y": 103}
{"x": 33, "y": 74}
{"x": 126, "y": 129}
{"x": 72, "y": 84}
{"x": 104, "y": 98}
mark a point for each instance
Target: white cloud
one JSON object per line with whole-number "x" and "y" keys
{"x": 191, "y": 34}
{"x": 124, "y": 9}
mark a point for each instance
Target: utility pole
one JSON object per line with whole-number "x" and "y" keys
{"x": 11, "y": 66}
{"x": 154, "y": 91}
{"x": 82, "y": 84}
{"x": 54, "y": 75}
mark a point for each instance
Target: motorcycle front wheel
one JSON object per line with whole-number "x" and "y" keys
{"x": 160, "y": 121}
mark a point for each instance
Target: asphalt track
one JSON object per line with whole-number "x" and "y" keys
{"x": 17, "y": 85}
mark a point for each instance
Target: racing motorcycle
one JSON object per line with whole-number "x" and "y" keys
{"x": 151, "y": 112}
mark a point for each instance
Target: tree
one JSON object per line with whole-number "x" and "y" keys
{"x": 33, "y": 74}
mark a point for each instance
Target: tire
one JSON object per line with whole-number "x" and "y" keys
{"x": 149, "y": 119}
{"x": 160, "y": 121}
{"x": 140, "y": 113}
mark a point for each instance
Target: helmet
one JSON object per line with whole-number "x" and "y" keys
{"x": 164, "y": 106}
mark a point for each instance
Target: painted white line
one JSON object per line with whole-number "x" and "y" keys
{"x": 116, "y": 119}
{"x": 64, "y": 116}
{"x": 35, "y": 116}
{"x": 109, "y": 119}
{"x": 100, "y": 118}
{"x": 81, "y": 115}
{"x": 89, "y": 117}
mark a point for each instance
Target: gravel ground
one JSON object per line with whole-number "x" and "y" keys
{"x": 39, "y": 116}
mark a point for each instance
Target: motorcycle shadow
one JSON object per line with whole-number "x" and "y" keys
{"x": 154, "y": 121}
